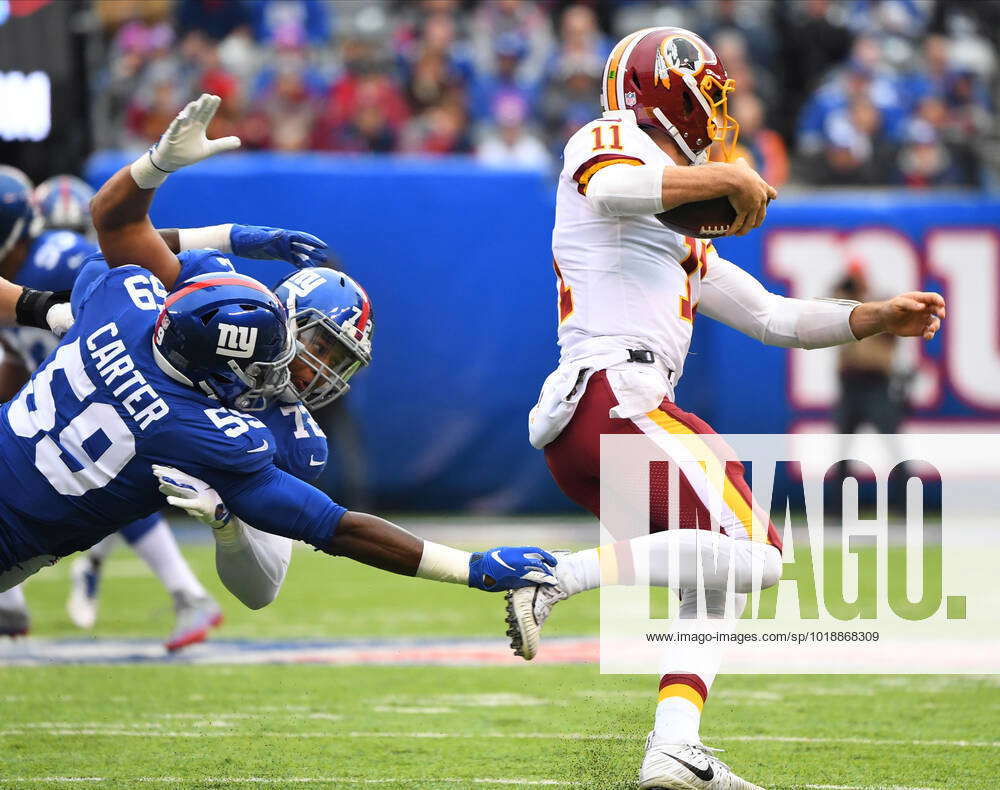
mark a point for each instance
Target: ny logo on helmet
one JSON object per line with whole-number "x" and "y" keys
{"x": 236, "y": 341}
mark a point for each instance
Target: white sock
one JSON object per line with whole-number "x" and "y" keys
{"x": 688, "y": 669}
{"x": 579, "y": 571}
{"x": 99, "y": 551}
{"x": 13, "y": 599}
{"x": 672, "y": 559}
{"x": 678, "y": 720}
{"x": 158, "y": 549}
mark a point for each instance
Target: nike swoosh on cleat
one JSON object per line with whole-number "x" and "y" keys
{"x": 705, "y": 774}
{"x": 496, "y": 555}
{"x": 260, "y": 449}
{"x": 314, "y": 462}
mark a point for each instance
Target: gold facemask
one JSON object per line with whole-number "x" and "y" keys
{"x": 722, "y": 127}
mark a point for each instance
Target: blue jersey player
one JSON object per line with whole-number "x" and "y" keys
{"x": 176, "y": 378}
{"x": 52, "y": 260}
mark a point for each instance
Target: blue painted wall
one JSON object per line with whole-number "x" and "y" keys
{"x": 457, "y": 261}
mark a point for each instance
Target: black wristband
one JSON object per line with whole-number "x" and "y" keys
{"x": 32, "y": 307}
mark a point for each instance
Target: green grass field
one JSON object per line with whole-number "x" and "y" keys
{"x": 438, "y": 727}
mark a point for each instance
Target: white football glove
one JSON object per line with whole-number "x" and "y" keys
{"x": 195, "y": 496}
{"x": 184, "y": 143}
{"x": 60, "y": 318}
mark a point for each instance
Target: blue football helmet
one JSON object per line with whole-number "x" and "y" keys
{"x": 227, "y": 335}
{"x": 334, "y": 325}
{"x": 19, "y": 217}
{"x": 64, "y": 203}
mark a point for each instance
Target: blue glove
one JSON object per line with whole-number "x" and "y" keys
{"x": 510, "y": 567}
{"x": 276, "y": 244}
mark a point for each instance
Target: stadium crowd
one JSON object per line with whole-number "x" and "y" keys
{"x": 856, "y": 92}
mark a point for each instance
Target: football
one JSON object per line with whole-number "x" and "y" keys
{"x": 703, "y": 219}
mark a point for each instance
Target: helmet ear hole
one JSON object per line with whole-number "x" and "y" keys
{"x": 688, "y": 105}
{"x": 634, "y": 77}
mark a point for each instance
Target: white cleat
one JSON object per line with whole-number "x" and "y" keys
{"x": 527, "y": 610}
{"x": 85, "y": 579}
{"x": 683, "y": 766}
{"x": 196, "y": 616}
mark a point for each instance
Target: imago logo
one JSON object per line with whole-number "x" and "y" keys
{"x": 236, "y": 341}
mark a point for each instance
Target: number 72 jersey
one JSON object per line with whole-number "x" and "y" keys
{"x": 77, "y": 443}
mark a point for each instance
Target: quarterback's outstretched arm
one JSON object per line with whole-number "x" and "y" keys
{"x": 735, "y": 298}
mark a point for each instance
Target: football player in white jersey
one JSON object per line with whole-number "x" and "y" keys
{"x": 628, "y": 292}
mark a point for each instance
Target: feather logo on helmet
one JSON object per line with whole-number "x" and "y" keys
{"x": 678, "y": 54}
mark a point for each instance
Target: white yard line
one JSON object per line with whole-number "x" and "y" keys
{"x": 142, "y": 730}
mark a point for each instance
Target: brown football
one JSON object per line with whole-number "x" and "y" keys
{"x": 13, "y": 373}
{"x": 703, "y": 219}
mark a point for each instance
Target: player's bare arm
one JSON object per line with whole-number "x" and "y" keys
{"x": 281, "y": 505}
{"x": 120, "y": 209}
{"x": 28, "y": 307}
{"x": 9, "y": 294}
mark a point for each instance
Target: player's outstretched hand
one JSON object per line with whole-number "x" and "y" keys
{"x": 185, "y": 141}
{"x": 276, "y": 244}
{"x": 510, "y": 567}
{"x": 913, "y": 314}
{"x": 195, "y": 496}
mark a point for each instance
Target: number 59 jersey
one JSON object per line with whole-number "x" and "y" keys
{"x": 78, "y": 441}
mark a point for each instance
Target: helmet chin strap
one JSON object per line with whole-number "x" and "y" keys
{"x": 692, "y": 157}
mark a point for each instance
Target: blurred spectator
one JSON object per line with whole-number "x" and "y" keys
{"x": 436, "y": 67}
{"x": 856, "y": 151}
{"x": 442, "y": 129}
{"x": 763, "y": 148}
{"x": 505, "y": 20}
{"x": 115, "y": 13}
{"x": 749, "y": 22}
{"x": 284, "y": 115}
{"x": 811, "y": 40}
{"x": 863, "y": 76}
{"x": 215, "y": 18}
{"x": 924, "y": 160}
{"x": 510, "y": 144}
{"x": 368, "y": 128}
{"x": 568, "y": 101}
{"x": 505, "y": 80}
{"x": 363, "y": 61}
{"x": 579, "y": 38}
{"x": 155, "y": 103}
{"x": 731, "y": 46}
{"x": 275, "y": 20}
{"x": 863, "y": 92}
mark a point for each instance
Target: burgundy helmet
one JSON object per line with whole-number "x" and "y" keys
{"x": 673, "y": 81}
